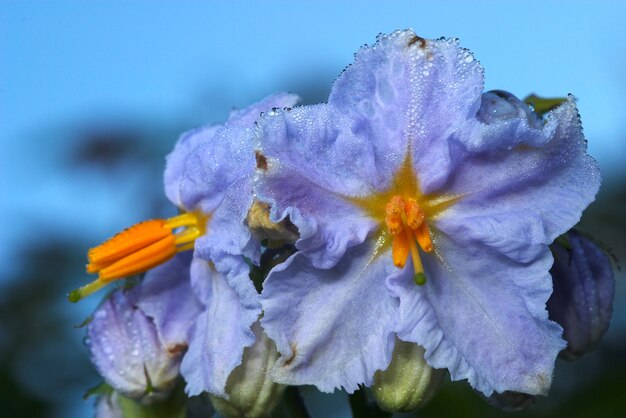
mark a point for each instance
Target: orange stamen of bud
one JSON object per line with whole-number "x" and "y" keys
{"x": 140, "y": 248}
{"x": 405, "y": 221}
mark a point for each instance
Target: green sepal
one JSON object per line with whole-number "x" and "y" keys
{"x": 101, "y": 389}
{"x": 175, "y": 406}
{"x": 542, "y": 105}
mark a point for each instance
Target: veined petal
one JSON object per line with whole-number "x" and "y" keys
{"x": 214, "y": 166}
{"x": 303, "y": 179}
{"x": 406, "y": 91}
{"x": 333, "y": 328}
{"x": 482, "y": 316}
{"x": 327, "y": 224}
{"x": 228, "y": 232}
{"x": 175, "y": 169}
{"x": 220, "y": 334}
{"x": 165, "y": 295}
{"x": 521, "y": 194}
{"x": 226, "y": 247}
{"x": 207, "y": 160}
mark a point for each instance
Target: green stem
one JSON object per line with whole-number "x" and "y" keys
{"x": 361, "y": 408}
{"x": 358, "y": 404}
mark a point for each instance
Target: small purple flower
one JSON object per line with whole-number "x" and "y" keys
{"x": 425, "y": 210}
{"x": 584, "y": 287}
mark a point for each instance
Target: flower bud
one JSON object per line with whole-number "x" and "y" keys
{"x": 409, "y": 382}
{"x": 251, "y": 392}
{"x": 583, "y": 291}
{"x": 128, "y": 352}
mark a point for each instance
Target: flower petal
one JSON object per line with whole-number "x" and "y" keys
{"x": 227, "y": 232}
{"x": 247, "y": 116}
{"x": 406, "y": 90}
{"x": 165, "y": 295}
{"x": 521, "y": 194}
{"x": 482, "y": 316}
{"x": 333, "y": 328}
{"x": 207, "y": 160}
{"x": 176, "y": 168}
{"x": 221, "y": 332}
{"x": 303, "y": 180}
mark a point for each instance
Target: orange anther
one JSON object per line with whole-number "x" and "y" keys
{"x": 394, "y": 212}
{"x": 414, "y": 214}
{"x": 140, "y": 248}
{"x": 404, "y": 219}
{"x": 140, "y": 261}
{"x": 394, "y": 224}
{"x": 126, "y": 242}
{"x": 422, "y": 235}
{"x": 400, "y": 250}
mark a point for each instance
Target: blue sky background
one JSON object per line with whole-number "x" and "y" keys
{"x": 159, "y": 68}
{"x": 151, "y": 62}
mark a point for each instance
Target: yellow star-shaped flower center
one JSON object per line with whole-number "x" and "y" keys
{"x": 404, "y": 215}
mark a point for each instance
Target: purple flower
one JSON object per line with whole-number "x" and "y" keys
{"x": 425, "y": 210}
{"x": 584, "y": 287}
{"x": 209, "y": 177}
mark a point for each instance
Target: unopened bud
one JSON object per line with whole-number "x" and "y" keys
{"x": 251, "y": 392}
{"x": 409, "y": 382}
{"x": 127, "y": 351}
{"x": 583, "y": 291}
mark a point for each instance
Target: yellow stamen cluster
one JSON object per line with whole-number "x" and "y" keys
{"x": 140, "y": 248}
{"x": 404, "y": 219}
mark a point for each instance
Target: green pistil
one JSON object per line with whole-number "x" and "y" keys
{"x": 419, "y": 279}
{"x": 74, "y": 296}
